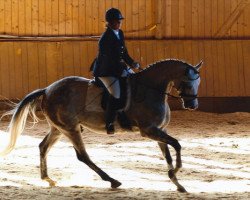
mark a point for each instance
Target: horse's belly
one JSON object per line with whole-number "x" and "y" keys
{"x": 95, "y": 122}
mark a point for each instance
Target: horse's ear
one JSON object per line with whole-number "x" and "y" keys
{"x": 198, "y": 66}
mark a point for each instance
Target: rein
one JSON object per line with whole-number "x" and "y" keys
{"x": 181, "y": 95}
{"x": 170, "y": 95}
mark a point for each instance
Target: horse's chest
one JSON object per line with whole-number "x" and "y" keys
{"x": 161, "y": 114}
{"x": 148, "y": 112}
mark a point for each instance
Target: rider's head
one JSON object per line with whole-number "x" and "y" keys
{"x": 114, "y": 18}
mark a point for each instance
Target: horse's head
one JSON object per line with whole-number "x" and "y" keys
{"x": 188, "y": 87}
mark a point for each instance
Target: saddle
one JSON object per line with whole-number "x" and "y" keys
{"x": 123, "y": 103}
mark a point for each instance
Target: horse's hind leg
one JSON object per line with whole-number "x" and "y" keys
{"x": 82, "y": 155}
{"x": 44, "y": 147}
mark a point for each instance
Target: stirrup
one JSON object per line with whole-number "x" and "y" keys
{"x": 110, "y": 129}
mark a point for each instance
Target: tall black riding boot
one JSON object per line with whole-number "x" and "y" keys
{"x": 111, "y": 114}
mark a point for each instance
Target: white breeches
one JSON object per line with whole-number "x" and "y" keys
{"x": 112, "y": 85}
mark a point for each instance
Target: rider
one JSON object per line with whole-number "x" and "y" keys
{"x": 111, "y": 63}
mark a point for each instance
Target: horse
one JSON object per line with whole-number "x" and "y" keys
{"x": 74, "y": 103}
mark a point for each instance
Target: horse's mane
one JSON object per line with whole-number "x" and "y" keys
{"x": 159, "y": 63}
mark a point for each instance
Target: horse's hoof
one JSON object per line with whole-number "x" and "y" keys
{"x": 181, "y": 189}
{"x": 115, "y": 184}
{"x": 50, "y": 181}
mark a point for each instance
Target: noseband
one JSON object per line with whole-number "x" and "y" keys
{"x": 184, "y": 83}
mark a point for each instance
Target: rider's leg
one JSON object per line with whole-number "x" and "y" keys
{"x": 113, "y": 86}
{"x": 110, "y": 114}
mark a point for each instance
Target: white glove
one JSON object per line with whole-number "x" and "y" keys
{"x": 136, "y": 65}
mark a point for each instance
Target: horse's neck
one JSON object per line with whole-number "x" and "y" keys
{"x": 162, "y": 75}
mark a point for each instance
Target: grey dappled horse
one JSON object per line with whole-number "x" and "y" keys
{"x": 73, "y": 103}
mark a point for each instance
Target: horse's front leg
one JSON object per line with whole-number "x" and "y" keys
{"x": 166, "y": 153}
{"x": 164, "y": 139}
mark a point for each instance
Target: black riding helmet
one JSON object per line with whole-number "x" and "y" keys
{"x": 113, "y": 14}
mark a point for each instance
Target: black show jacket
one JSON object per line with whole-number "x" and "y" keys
{"x": 112, "y": 55}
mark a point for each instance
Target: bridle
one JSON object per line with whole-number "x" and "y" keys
{"x": 184, "y": 83}
{"x": 187, "y": 80}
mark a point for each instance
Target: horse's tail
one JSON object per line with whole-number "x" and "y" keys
{"x": 18, "y": 120}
